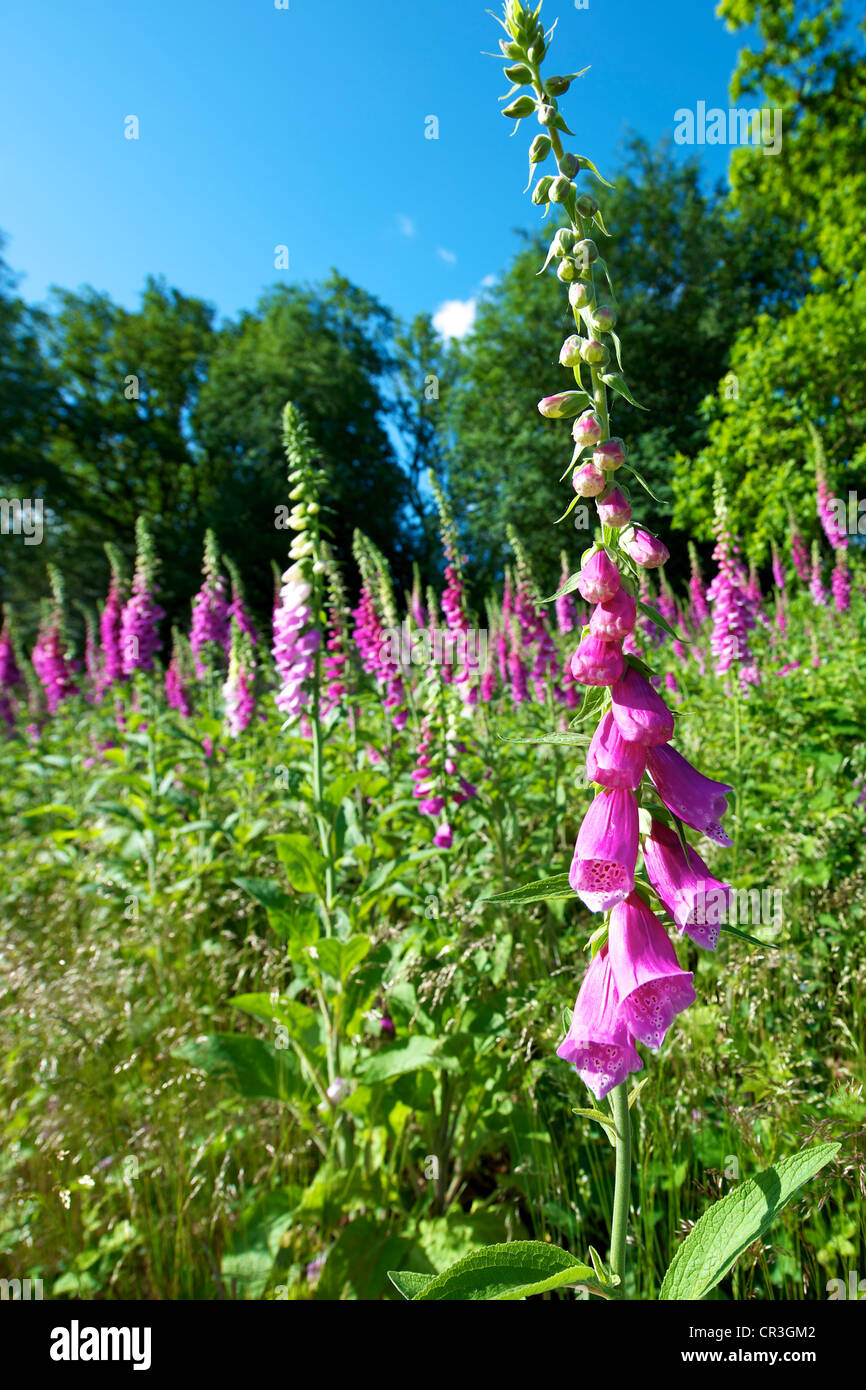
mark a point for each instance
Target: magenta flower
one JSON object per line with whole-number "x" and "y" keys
{"x": 696, "y": 900}
{"x": 694, "y": 798}
{"x": 615, "y": 618}
{"x": 597, "y": 662}
{"x": 566, "y": 613}
{"x": 586, "y": 430}
{"x": 641, "y": 714}
{"x": 598, "y": 1043}
{"x": 605, "y": 853}
{"x": 444, "y": 837}
{"x": 613, "y": 509}
{"x": 651, "y": 986}
{"x": 295, "y": 643}
{"x": 599, "y": 579}
{"x": 239, "y": 696}
{"x": 611, "y": 760}
{"x": 841, "y": 583}
{"x": 588, "y": 481}
{"x": 645, "y": 550}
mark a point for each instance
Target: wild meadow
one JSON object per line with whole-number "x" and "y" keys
{"x": 299, "y": 893}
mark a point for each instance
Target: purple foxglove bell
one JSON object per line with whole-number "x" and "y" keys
{"x": 646, "y": 550}
{"x": 614, "y": 510}
{"x": 696, "y": 799}
{"x": 697, "y": 902}
{"x": 641, "y": 714}
{"x": 597, "y": 662}
{"x": 599, "y": 579}
{"x": 598, "y": 1043}
{"x": 615, "y": 618}
{"x": 588, "y": 481}
{"x": 613, "y": 762}
{"x": 651, "y": 987}
{"x": 605, "y": 853}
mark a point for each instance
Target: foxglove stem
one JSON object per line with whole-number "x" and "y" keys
{"x": 622, "y": 1180}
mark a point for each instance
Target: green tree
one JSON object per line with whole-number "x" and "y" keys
{"x": 804, "y": 360}
{"x": 687, "y": 275}
{"x": 327, "y": 349}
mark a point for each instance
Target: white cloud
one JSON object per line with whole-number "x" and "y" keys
{"x": 405, "y": 224}
{"x": 488, "y": 282}
{"x": 455, "y": 317}
{"x": 447, "y": 256}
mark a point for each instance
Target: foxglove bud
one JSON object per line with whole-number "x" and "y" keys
{"x": 615, "y": 618}
{"x": 610, "y": 454}
{"x": 557, "y": 87}
{"x": 563, "y": 406}
{"x": 546, "y": 114}
{"x": 541, "y": 191}
{"x": 569, "y": 355}
{"x": 586, "y": 204}
{"x": 563, "y": 242}
{"x": 566, "y": 270}
{"x": 587, "y": 429}
{"x": 511, "y": 50}
{"x": 597, "y": 662}
{"x": 523, "y": 106}
{"x": 539, "y": 149}
{"x": 581, "y": 294}
{"x": 603, "y": 319}
{"x": 569, "y": 165}
{"x": 560, "y": 189}
{"x": 598, "y": 580}
{"x": 588, "y": 481}
{"x": 591, "y": 350}
{"x": 646, "y": 550}
{"x": 519, "y": 74}
{"x": 586, "y": 252}
{"x": 614, "y": 509}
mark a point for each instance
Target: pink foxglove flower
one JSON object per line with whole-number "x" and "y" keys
{"x": 615, "y": 618}
{"x": 695, "y": 799}
{"x": 598, "y": 1043}
{"x": 696, "y": 900}
{"x": 650, "y": 983}
{"x": 605, "y": 853}
{"x": 641, "y": 714}
{"x": 599, "y": 578}
{"x": 611, "y": 760}
{"x": 597, "y": 662}
{"x": 613, "y": 509}
{"x": 646, "y": 550}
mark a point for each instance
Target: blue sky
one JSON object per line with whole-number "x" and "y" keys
{"x": 305, "y": 127}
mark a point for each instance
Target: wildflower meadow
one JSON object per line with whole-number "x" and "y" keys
{"x": 453, "y": 888}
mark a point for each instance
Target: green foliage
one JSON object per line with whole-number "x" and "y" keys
{"x": 728, "y": 1228}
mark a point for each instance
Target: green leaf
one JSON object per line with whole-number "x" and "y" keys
{"x": 302, "y": 863}
{"x": 541, "y": 891}
{"x": 567, "y": 588}
{"x": 419, "y": 1053}
{"x": 729, "y": 1227}
{"x": 655, "y": 617}
{"x": 505, "y": 1273}
{"x": 744, "y": 936}
{"x": 643, "y": 482}
{"x": 339, "y": 958}
{"x": 407, "y": 1283}
{"x": 616, "y": 382}
{"x": 265, "y": 892}
{"x": 256, "y": 1070}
